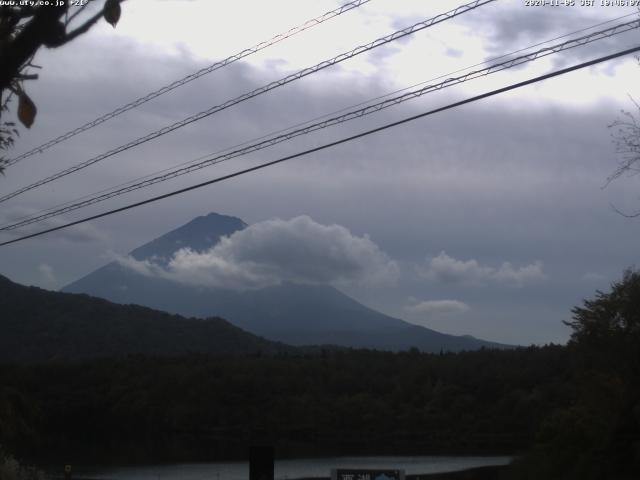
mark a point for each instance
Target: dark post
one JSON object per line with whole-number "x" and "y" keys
{"x": 260, "y": 463}
{"x": 67, "y": 472}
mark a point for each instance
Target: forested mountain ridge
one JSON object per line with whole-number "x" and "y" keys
{"x": 39, "y": 325}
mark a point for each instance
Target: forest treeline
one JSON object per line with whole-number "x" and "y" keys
{"x": 337, "y": 400}
{"x": 570, "y": 411}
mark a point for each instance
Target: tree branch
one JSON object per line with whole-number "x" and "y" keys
{"x": 26, "y": 43}
{"x": 84, "y": 28}
{"x": 75, "y": 14}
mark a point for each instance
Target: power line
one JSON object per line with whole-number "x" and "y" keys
{"x": 332, "y": 144}
{"x": 191, "y": 166}
{"x": 278, "y": 83}
{"x": 178, "y": 83}
{"x": 306, "y": 122}
{"x": 130, "y": 186}
{"x": 343, "y": 109}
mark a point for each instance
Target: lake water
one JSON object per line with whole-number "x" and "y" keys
{"x": 287, "y": 469}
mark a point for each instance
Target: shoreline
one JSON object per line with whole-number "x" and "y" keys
{"x": 484, "y": 472}
{"x": 489, "y": 472}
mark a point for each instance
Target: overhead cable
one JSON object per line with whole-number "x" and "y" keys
{"x": 513, "y": 62}
{"x": 178, "y": 83}
{"x": 476, "y": 98}
{"x": 278, "y": 83}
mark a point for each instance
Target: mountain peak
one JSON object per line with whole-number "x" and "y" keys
{"x": 214, "y": 217}
{"x": 200, "y": 234}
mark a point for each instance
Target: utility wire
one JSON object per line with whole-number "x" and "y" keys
{"x": 178, "y": 83}
{"x": 191, "y": 167}
{"x": 131, "y": 186}
{"x": 278, "y": 83}
{"x": 326, "y": 115}
{"x": 333, "y": 144}
{"x": 335, "y": 112}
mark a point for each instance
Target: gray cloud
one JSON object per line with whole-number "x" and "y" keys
{"x": 82, "y": 233}
{"x": 299, "y": 250}
{"x": 518, "y": 27}
{"x": 454, "y": 52}
{"x": 593, "y": 277}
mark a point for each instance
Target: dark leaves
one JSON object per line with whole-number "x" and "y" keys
{"x": 26, "y": 109}
{"x": 112, "y": 12}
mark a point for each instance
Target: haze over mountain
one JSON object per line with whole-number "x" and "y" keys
{"x": 39, "y": 325}
{"x": 298, "y": 314}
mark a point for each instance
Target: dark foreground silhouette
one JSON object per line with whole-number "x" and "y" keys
{"x": 572, "y": 411}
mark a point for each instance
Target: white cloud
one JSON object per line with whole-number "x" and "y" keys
{"x": 446, "y": 269}
{"x": 299, "y": 250}
{"x": 47, "y": 273}
{"x": 438, "y": 307}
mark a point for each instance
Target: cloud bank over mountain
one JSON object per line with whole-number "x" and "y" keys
{"x": 272, "y": 252}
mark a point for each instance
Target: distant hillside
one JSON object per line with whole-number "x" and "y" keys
{"x": 38, "y": 325}
{"x": 290, "y": 313}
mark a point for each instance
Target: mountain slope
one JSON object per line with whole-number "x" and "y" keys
{"x": 39, "y": 325}
{"x": 295, "y": 314}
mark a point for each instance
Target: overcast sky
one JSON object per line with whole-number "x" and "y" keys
{"x": 490, "y": 219}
